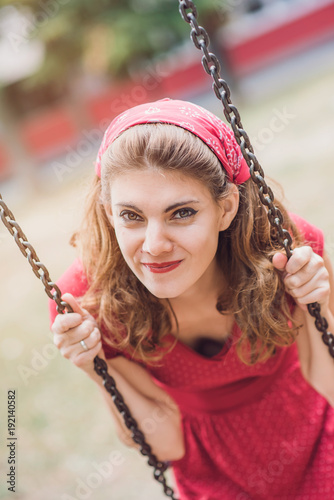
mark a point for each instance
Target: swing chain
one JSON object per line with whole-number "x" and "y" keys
{"x": 100, "y": 365}
{"x": 138, "y": 437}
{"x": 322, "y": 325}
{"x": 29, "y": 252}
{"x": 222, "y": 91}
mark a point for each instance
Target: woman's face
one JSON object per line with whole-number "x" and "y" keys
{"x": 167, "y": 226}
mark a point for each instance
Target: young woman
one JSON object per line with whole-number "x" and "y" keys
{"x": 182, "y": 287}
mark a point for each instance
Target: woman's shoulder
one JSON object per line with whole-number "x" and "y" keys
{"x": 310, "y": 233}
{"x": 73, "y": 281}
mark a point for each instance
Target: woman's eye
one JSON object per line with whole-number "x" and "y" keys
{"x": 130, "y": 216}
{"x": 184, "y": 213}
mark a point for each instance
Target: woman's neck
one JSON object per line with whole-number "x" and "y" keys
{"x": 196, "y": 311}
{"x": 204, "y": 292}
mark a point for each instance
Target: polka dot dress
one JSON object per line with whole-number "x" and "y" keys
{"x": 251, "y": 433}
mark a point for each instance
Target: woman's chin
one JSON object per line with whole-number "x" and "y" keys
{"x": 161, "y": 293}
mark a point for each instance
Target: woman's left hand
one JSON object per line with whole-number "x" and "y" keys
{"x": 305, "y": 276}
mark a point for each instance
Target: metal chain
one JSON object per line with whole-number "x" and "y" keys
{"x": 100, "y": 365}
{"x": 138, "y": 437}
{"x": 211, "y": 65}
{"x": 28, "y": 251}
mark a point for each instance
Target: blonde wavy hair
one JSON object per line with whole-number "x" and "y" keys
{"x": 130, "y": 317}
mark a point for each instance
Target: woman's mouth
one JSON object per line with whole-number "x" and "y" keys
{"x": 163, "y": 267}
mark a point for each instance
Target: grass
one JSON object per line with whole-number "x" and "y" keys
{"x": 64, "y": 430}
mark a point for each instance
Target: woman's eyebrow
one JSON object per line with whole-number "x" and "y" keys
{"x": 180, "y": 204}
{"x": 127, "y": 205}
{"x": 168, "y": 209}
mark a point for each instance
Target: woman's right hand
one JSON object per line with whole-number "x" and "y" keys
{"x": 145, "y": 398}
{"x": 72, "y": 328}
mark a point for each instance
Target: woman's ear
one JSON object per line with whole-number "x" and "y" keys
{"x": 107, "y": 208}
{"x": 229, "y": 207}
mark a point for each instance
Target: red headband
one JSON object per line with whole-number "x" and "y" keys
{"x": 205, "y": 125}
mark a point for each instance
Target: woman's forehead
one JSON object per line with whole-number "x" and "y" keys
{"x": 162, "y": 186}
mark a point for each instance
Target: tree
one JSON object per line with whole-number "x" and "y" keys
{"x": 116, "y": 35}
{"x": 105, "y": 39}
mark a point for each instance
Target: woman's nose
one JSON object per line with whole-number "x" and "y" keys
{"x": 156, "y": 240}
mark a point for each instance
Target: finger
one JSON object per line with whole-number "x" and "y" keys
{"x": 90, "y": 341}
{"x": 80, "y": 346}
{"x": 86, "y": 358}
{"x": 308, "y": 275}
{"x": 72, "y": 336}
{"x": 319, "y": 295}
{"x": 317, "y": 289}
{"x": 301, "y": 257}
{"x": 65, "y": 322}
{"x": 68, "y": 297}
{"x": 279, "y": 261}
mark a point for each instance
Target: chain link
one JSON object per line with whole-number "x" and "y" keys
{"x": 138, "y": 437}
{"x": 28, "y": 251}
{"x": 100, "y": 365}
{"x": 222, "y": 91}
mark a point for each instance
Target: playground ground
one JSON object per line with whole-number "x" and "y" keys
{"x": 65, "y": 436}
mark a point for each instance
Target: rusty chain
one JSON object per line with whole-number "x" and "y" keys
{"x": 138, "y": 437}
{"x": 28, "y": 251}
{"x": 100, "y": 365}
{"x": 222, "y": 91}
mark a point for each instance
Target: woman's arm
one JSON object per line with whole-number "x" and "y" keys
{"x": 316, "y": 363}
{"x": 309, "y": 278}
{"x": 157, "y": 415}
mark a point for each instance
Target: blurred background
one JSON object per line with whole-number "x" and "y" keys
{"x": 67, "y": 67}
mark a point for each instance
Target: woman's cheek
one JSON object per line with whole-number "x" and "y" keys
{"x": 129, "y": 242}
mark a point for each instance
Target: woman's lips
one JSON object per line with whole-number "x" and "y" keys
{"x": 163, "y": 267}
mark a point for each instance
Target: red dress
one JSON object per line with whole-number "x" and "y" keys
{"x": 251, "y": 433}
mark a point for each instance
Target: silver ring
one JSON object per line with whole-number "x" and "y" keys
{"x": 83, "y": 343}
